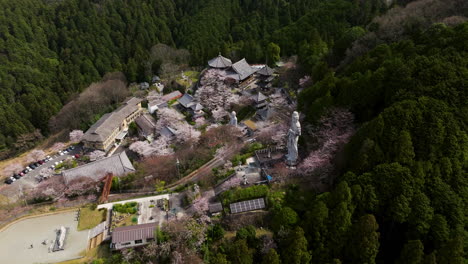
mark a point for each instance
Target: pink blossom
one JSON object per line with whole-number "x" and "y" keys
{"x": 171, "y": 118}
{"x": 76, "y": 136}
{"x": 305, "y": 81}
{"x": 58, "y": 146}
{"x": 214, "y": 93}
{"x": 12, "y": 169}
{"x": 334, "y": 131}
{"x": 36, "y": 155}
{"x": 234, "y": 181}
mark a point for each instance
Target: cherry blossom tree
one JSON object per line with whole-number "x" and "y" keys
{"x": 333, "y": 131}
{"x": 171, "y": 118}
{"x": 12, "y": 169}
{"x": 35, "y": 155}
{"x": 214, "y": 93}
{"x": 234, "y": 181}
{"x": 159, "y": 147}
{"x": 76, "y": 136}
{"x": 58, "y": 146}
{"x": 96, "y": 155}
{"x": 305, "y": 81}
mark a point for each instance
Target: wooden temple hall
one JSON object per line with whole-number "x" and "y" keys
{"x": 241, "y": 72}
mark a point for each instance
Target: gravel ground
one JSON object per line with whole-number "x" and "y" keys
{"x": 16, "y": 240}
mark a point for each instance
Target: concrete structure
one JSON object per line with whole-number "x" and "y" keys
{"x": 112, "y": 127}
{"x": 233, "y": 121}
{"x": 293, "y": 137}
{"x": 117, "y": 164}
{"x": 133, "y": 236}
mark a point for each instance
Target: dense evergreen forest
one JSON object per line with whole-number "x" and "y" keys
{"x": 52, "y": 50}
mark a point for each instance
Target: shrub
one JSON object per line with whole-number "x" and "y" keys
{"x": 134, "y": 219}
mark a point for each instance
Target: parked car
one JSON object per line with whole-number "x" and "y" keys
{"x": 28, "y": 168}
{"x": 16, "y": 176}
{"x": 32, "y": 166}
{"x": 52, "y": 167}
{"x": 12, "y": 179}
{"x": 72, "y": 147}
{"x": 21, "y": 173}
{"x": 41, "y": 162}
{"x": 25, "y": 171}
{"x": 65, "y": 151}
{"x": 8, "y": 181}
{"x": 37, "y": 164}
{"x": 77, "y": 156}
{"x": 61, "y": 153}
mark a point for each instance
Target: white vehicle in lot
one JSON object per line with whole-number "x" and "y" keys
{"x": 61, "y": 153}
{"x": 52, "y": 167}
{"x": 12, "y": 178}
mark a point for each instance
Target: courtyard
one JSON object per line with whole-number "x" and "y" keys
{"x": 17, "y": 239}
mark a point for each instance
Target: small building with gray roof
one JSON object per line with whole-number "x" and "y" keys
{"x": 133, "y": 236}
{"x": 117, "y": 164}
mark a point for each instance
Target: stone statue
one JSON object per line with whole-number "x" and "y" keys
{"x": 293, "y": 136}
{"x": 233, "y": 121}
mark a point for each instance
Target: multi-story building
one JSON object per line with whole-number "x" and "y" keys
{"x": 112, "y": 127}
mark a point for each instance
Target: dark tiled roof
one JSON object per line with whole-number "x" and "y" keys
{"x": 185, "y": 100}
{"x": 220, "y": 62}
{"x": 243, "y": 69}
{"x": 266, "y": 71}
{"x": 104, "y": 127}
{"x": 132, "y": 233}
{"x": 215, "y": 207}
{"x": 259, "y": 97}
{"x": 266, "y": 113}
{"x": 146, "y": 123}
{"x": 167, "y": 132}
{"x": 118, "y": 164}
{"x": 196, "y": 107}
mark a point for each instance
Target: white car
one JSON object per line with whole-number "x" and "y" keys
{"x": 61, "y": 153}
{"x": 12, "y": 178}
{"x": 52, "y": 167}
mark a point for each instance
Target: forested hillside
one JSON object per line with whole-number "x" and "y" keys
{"x": 51, "y": 50}
{"x": 407, "y": 163}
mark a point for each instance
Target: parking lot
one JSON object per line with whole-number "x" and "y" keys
{"x": 29, "y": 180}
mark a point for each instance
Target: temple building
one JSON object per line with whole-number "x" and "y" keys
{"x": 111, "y": 128}
{"x": 220, "y": 62}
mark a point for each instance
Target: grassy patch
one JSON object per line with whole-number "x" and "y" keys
{"x": 90, "y": 218}
{"x": 124, "y": 220}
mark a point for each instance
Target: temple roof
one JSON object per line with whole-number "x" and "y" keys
{"x": 220, "y": 62}
{"x": 266, "y": 71}
{"x": 243, "y": 69}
